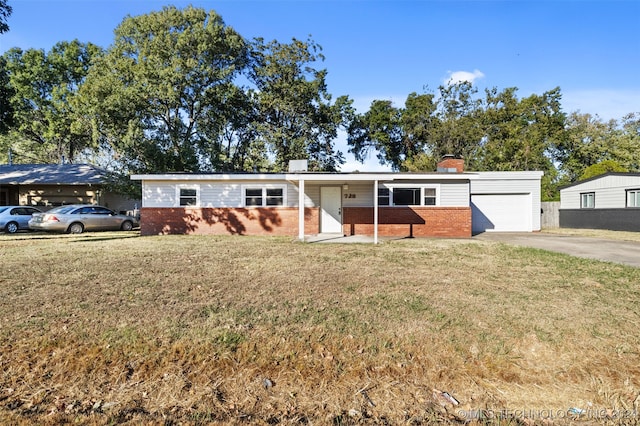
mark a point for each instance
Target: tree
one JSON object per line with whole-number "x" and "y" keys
{"x": 602, "y": 168}
{"x": 44, "y": 88}
{"x": 591, "y": 141}
{"x": 160, "y": 93}
{"x": 397, "y": 134}
{"x": 457, "y": 130}
{"x": 378, "y": 129}
{"x": 519, "y": 134}
{"x": 296, "y": 119}
{"x": 5, "y": 12}
{"x": 6, "y": 93}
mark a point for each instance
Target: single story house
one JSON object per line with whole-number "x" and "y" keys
{"x": 447, "y": 203}
{"x": 608, "y": 201}
{"x": 49, "y": 185}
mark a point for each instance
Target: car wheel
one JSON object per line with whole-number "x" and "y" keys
{"x": 75, "y": 228}
{"x": 126, "y": 225}
{"x": 11, "y": 228}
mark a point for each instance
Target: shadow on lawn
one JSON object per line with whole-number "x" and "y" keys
{"x": 75, "y": 238}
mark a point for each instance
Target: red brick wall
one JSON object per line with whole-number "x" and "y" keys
{"x": 392, "y": 221}
{"x": 216, "y": 221}
{"x": 409, "y": 221}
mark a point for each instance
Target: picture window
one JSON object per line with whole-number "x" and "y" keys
{"x": 407, "y": 196}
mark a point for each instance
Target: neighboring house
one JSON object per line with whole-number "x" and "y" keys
{"x": 609, "y": 201}
{"x": 49, "y": 185}
{"x": 448, "y": 203}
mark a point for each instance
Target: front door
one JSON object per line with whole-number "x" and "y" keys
{"x": 330, "y": 209}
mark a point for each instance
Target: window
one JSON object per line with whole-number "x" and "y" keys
{"x": 275, "y": 196}
{"x": 587, "y": 200}
{"x": 407, "y": 196}
{"x": 429, "y": 196}
{"x": 383, "y": 196}
{"x": 253, "y": 197}
{"x": 267, "y": 196}
{"x": 188, "y": 196}
{"x": 633, "y": 198}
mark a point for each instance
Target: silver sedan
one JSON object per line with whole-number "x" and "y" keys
{"x": 77, "y": 218}
{"x": 15, "y": 218}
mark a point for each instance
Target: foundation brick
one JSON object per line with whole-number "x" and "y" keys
{"x": 409, "y": 221}
{"x": 220, "y": 221}
{"x": 444, "y": 222}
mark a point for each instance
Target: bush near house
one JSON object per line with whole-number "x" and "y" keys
{"x": 112, "y": 328}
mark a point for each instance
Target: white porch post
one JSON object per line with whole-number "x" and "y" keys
{"x": 301, "y": 210}
{"x": 375, "y": 211}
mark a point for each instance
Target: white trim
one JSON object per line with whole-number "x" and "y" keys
{"x": 187, "y": 186}
{"x": 301, "y": 210}
{"x": 264, "y": 188}
{"x": 326, "y": 177}
{"x": 376, "y": 186}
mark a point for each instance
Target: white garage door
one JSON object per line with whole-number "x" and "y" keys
{"x": 501, "y": 213}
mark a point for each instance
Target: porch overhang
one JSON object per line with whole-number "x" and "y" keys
{"x": 375, "y": 179}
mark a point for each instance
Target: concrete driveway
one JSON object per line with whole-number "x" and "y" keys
{"x": 625, "y": 252}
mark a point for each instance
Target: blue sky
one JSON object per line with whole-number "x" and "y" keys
{"x": 387, "y": 49}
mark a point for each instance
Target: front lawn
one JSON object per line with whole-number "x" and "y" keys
{"x": 103, "y": 328}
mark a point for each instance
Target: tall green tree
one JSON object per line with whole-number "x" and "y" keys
{"x": 519, "y": 134}
{"x": 398, "y": 135}
{"x": 457, "y": 130}
{"x": 5, "y": 89}
{"x": 380, "y": 130}
{"x": 5, "y": 12}
{"x": 158, "y": 92}
{"x": 43, "y": 92}
{"x": 296, "y": 116}
{"x": 627, "y": 142}
{"x": 6, "y": 93}
{"x": 591, "y": 141}
{"x": 417, "y": 136}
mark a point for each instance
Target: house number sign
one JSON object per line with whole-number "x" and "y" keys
{"x": 349, "y": 195}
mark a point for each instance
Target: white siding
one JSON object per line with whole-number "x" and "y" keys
{"x": 312, "y": 195}
{"x": 215, "y": 194}
{"x": 454, "y": 194}
{"x": 363, "y": 193}
{"x": 610, "y": 191}
{"x": 158, "y": 194}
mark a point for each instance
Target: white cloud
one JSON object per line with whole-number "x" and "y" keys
{"x": 462, "y": 76}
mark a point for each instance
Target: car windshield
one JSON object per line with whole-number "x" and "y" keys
{"x": 63, "y": 209}
{"x": 3, "y": 209}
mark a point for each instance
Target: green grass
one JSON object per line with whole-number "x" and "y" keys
{"x": 111, "y": 327}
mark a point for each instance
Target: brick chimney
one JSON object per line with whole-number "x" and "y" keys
{"x": 450, "y": 164}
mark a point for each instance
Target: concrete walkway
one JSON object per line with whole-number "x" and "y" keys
{"x": 340, "y": 239}
{"x": 625, "y": 252}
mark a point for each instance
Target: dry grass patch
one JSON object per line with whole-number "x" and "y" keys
{"x": 111, "y": 327}
{"x": 596, "y": 233}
